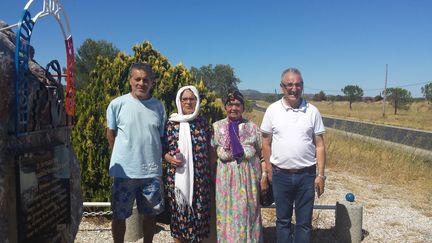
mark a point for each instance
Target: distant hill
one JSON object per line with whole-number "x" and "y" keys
{"x": 254, "y": 95}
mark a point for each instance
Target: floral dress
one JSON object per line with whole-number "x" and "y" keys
{"x": 237, "y": 185}
{"x": 191, "y": 226}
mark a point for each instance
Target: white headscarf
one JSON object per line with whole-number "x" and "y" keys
{"x": 184, "y": 177}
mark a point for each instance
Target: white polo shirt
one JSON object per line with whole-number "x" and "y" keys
{"x": 293, "y": 132}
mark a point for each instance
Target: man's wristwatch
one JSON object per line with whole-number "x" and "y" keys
{"x": 322, "y": 177}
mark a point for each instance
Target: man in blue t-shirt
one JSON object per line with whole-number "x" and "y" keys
{"x": 135, "y": 123}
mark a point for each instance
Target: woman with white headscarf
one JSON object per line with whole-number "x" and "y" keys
{"x": 187, "y": 150}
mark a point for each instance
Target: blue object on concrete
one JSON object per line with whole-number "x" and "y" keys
{"x": 350, "y": 197}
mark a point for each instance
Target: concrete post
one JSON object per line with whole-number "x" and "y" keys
{"x": 134, "y": 226}
{"x": 349, "y": 221}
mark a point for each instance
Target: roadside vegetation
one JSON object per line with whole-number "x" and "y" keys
{"x": 418, "y": 114}
{"x": 410, "y": 173}
{"x": 380, "y": 164}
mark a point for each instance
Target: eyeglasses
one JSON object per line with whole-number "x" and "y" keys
{"x": 186, "y": 99}
{"x": 290, "y": 85}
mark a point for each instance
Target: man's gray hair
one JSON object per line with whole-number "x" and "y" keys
{"x": 141, "y": 66}
{"x": 292, "y": 70}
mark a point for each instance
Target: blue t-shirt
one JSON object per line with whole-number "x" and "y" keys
{"x": 139, "y": 124}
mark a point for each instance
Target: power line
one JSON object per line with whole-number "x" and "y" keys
{"x": 415, "y": 84}
{"x": 326, "y": 90}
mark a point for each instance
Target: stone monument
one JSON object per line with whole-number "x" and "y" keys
{"x": 40, "y": 191}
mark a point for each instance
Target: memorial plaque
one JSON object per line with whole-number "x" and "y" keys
{"x": 43, "y": 198}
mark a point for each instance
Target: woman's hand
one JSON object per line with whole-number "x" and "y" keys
{"x": 264, "y": 184}
{"x": 269, "y": 173}
{"x": 172, "y": 160}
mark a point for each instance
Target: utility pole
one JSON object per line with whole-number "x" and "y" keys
{"x": 385, "y": 91}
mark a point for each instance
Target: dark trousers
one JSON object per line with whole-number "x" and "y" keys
{"x": 289, "y": 189}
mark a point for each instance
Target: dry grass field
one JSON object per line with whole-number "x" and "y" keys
{"x": 378, "y": 163}
{"x": 384, "y": 165}
{"x": 418, "y": 116}
{"x": 393, "y": 185}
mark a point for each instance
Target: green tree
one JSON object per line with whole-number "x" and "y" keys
{"x": 249, "y": 104}
{"x": 86, "y": 58}
{"x": 272, "y": 98}
{"x": 377, "y": 98}
{"x": 320, "y": 96}
{"x": 353, "y": 93}
{"x": 427, "y": 91}
{"x": 220, "y": 78}
{"x": 109, "y": 80}
{"x": 399, "y": 98}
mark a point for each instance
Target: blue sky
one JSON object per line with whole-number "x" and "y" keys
{"x": 333, "y": 43}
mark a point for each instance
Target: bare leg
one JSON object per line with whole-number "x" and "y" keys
{"x": 176, "y": 240}
{"x": 118, "y": 229}
{"x": 149, "y": 227}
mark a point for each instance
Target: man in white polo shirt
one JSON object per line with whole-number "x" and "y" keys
{"x": 294, "y": 154}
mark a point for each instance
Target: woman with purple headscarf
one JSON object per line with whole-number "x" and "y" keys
{"x": 237, "y": 142}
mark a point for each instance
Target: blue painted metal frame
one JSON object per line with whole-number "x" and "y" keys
{"x": 24, "y": 31}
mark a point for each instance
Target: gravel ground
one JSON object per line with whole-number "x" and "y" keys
{"x": 387, "y": 216}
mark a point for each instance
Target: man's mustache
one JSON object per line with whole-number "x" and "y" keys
{"x": 294, "y": 93}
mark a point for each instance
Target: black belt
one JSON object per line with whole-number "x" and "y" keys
{"x": 311, "y": 168}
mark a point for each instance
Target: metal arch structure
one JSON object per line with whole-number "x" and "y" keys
{"x": 23, "y": 37}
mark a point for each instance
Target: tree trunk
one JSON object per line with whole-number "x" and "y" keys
{"x": 395, "y": 106}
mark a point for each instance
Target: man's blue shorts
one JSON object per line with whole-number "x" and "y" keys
{"x": 148, "y": 193}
